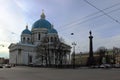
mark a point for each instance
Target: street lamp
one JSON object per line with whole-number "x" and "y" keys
{"x": 80, "y": 58}
{"x": 73, "y": 54}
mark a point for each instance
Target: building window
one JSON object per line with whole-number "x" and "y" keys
{"x": 48, "y": 39}
{"x": 28, "y": 39}
{"x": 30, "y": 59}
{"x": 51, "y": 39}
{"x": 39, "y": 36}
{"x": 23, "y": 39}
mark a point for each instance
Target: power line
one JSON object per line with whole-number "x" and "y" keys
{"x": 77, "y": 30}
{"x": 93, "y": 14}
{"x": 102, "y": 12}
{"x": 95, "y": 17}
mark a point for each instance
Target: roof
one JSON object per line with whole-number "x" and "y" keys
{"x": 26, "y": 31}
{"x": 42, "y": 23}
{"x": 52, "y": 31}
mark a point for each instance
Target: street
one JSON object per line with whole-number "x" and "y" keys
{"x": 29, "y": 73}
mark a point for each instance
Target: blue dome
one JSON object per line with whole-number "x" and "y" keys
{"x": 52, "y": 31}
{"x": 26, "y": 31}
{"x": 42, "y": 23}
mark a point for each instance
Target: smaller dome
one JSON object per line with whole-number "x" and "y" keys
{"x": 26, "y": 31}
{"x": 52, "y": 31}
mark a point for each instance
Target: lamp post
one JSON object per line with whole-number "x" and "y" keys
{"x": 80, "y": 58}
{"x": 73, "y": 54}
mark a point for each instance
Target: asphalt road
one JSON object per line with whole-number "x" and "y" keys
{"x": 28, "y": 73}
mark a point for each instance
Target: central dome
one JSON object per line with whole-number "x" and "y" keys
{"x": 42, "y": 23}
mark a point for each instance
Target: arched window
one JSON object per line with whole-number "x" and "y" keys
{"x": 51, "y": 39}
{"x": 23, "y": 39}
{"x": 30, "y": 59}
{"x": 39, "y": 36}
{"x": 48, "y": 39}
{"x": 28, "y": 39}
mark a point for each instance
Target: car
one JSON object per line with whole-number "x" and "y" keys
{"x": 102, "y": 66}
{"x": 1, "y": 65}
{"x": 105, "y": 66}
{"x": 7, "y": 66}
{"x": 117, "y": 65}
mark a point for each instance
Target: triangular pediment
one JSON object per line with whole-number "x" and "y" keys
{"x": 11, "y": 45}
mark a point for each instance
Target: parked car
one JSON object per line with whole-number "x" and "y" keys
{"x": 7, "y": 66}
{"x": 105, "y": 66}
{"x": 117, "y": 65}
{"x": 1, "y": 65}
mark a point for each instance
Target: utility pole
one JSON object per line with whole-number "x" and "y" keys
{"x": 73, "y": 54}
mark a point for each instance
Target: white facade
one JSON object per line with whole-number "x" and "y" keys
{"x": 40, "y": 45}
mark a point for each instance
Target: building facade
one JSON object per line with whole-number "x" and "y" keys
{"x": 112, "y": 56}
{"x": 40, "y": 45}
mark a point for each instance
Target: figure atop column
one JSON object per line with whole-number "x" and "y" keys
{"x": 91, "y": 45}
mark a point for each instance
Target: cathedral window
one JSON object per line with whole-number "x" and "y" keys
{"x": 23, "y": 39}
{"x": 30, "y": 59}
{"x": 48, "y": 39}
{"x": 39, "y": 36}
{"x": 28, "y": 39}
{"x": 51, "y": 39}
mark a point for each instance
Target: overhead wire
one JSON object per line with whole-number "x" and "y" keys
{"x": 102, "y": 11}
{"x": 93, "y": 14}
{"x": 70, "y": 27}
{"x": 84, "y": 21}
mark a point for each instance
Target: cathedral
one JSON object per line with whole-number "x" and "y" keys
{"x": 40, "y": 45}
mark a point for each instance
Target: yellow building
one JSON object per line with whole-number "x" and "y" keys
{"x": 111, "y": 56}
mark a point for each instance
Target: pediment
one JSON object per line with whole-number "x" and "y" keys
{"x": 11, "y": 45}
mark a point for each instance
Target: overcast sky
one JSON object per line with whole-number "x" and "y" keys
{"x": 102, "y": 17}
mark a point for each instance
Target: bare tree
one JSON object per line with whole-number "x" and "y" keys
{"x": 44, "y": 49}
{"x": 101, "y": 52}
{"x": 42, "y": 54}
